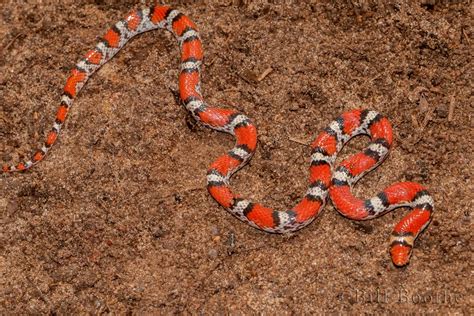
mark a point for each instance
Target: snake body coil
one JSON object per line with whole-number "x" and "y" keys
{"x": 324, "y": 176}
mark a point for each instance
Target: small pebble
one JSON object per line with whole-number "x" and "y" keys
{"x": 214, "y": 231}
{"x": 212, "y": 253}
{"x": 442, "y": 111}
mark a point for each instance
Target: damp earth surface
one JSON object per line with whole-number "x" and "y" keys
{"x": 117, "y": 218}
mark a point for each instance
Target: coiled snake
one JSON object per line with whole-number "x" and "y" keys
{"x": 324, "y": 178}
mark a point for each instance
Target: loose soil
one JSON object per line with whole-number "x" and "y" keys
{"x": 117, "y": 218}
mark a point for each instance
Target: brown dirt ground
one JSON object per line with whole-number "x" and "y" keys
{"x": 117, "y": 218}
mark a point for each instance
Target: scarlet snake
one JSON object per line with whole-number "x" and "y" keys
{"x": 324, "y": 176}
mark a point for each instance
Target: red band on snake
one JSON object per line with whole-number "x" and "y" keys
{"x": 324, "y": 176}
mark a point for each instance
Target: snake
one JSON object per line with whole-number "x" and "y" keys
{"x": 326, "y": 179}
